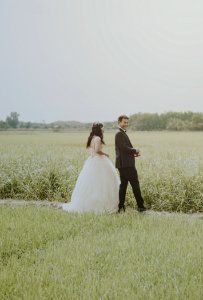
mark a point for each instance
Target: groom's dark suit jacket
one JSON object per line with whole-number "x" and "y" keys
{"x": 124, "y": 150}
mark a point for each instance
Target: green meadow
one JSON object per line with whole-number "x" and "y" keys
{"x": 39, "y": 166}
{"x": 46, "y": 253}
{"x": 49, "y": 254}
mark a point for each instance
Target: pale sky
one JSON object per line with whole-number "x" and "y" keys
{"x": 92, "y": 60}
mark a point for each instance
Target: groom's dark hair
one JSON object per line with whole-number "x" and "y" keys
{"x": 120, "y": 118}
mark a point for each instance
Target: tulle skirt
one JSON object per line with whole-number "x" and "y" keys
{"x": 97, "y": 187}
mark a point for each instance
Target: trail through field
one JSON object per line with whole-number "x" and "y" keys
{"x": 37, "y": 203}
{"x": 58, "y": 205}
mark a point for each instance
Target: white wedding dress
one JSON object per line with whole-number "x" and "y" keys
{"x": 97, "y": 186}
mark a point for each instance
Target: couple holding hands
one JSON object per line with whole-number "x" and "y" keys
{"x": 99, "y": 188}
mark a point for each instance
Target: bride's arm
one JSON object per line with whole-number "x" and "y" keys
{"x": 102, "y": 153}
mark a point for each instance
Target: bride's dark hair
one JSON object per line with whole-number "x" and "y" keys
{"x": 96, "y": 131}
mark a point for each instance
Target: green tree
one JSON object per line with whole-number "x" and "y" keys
{"x": 175, "y": 124}
{"x": 197, "y": 121}
{"x": 12, "y": 120}
{"x": 3, "y": 125}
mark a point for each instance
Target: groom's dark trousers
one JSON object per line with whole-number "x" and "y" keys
{"x": 129, "y": 174}
{"x": 125, "y": 163}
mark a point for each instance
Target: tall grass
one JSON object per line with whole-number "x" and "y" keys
{"x": 46, "y": 165}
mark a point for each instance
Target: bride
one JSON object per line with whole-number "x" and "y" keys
{"x": 97, "y": 187}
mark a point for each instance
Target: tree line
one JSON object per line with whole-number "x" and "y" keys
{"x": 174, "y": 121}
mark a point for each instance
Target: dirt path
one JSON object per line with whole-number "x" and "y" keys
{"x": 13, "y": 202}
{"x": 58, "y": 205}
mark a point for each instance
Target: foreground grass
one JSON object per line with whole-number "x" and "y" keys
{"x": 49, "y": 254}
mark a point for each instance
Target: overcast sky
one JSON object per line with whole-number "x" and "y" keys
{"x": 92, "y": 60}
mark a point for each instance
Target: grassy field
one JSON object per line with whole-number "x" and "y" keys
{"x": 49, "y": 254}
{"x": 46, "y": 253}
{"x": 42, "y": 166}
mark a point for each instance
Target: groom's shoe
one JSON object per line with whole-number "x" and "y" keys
{"x": 121, "y": 208}
{"x": 141, "y": 209}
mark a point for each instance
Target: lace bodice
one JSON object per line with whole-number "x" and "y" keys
{"x": 95, "y": 145}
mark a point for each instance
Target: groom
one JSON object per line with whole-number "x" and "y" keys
{"x": 125, "y": 163}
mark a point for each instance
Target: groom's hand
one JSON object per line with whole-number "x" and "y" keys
{"x": 137, "y": 153}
